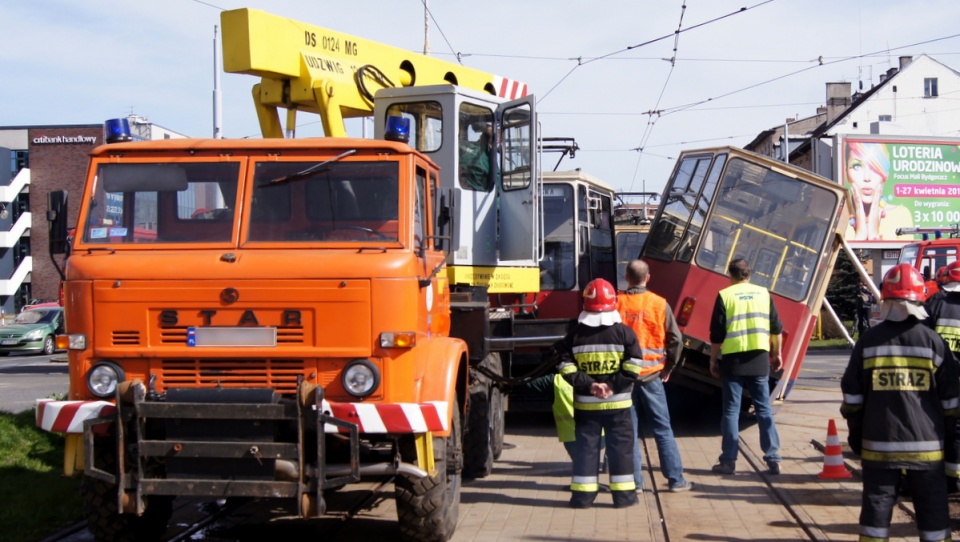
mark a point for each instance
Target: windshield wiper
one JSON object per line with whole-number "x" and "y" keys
{"x": 310, "y": 171}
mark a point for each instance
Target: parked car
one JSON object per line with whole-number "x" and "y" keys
{"x": 33, "y": 330}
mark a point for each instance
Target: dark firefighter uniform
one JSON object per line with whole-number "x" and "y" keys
{"x": 606, "y": 354}
{"x": 900, "y": 400}
{"x": 943, "y": 309}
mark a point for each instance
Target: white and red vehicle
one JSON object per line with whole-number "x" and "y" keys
{"x": 725, "y": 203}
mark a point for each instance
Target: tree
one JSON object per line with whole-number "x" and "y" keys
{"x": 844, "y": 286}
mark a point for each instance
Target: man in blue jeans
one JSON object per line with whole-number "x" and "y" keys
{"x": 651, "y": 318}
{"x": 745, "y": 329}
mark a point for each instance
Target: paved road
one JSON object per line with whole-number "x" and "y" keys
{"x": 24, "y": 379}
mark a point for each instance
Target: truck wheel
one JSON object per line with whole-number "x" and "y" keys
{"x": 428, "y": 508}
{"x": 484, "y": 414}
{"x": 100, "y": 506}
{"x": 498, "y": 423}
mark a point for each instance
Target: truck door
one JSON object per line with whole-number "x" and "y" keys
{"x": 518, "y": 190}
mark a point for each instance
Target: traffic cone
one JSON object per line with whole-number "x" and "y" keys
{"x": 833, "y": 466}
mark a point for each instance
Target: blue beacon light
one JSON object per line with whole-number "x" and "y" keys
{"x": 117, "y": 131}
{"x": 398, "y": 129}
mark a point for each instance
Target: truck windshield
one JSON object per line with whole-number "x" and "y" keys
{"x": 341, "y": 202}
{"x": 135, "y": 203}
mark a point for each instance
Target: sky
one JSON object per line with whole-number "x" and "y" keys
{"x": 634, "y": 82}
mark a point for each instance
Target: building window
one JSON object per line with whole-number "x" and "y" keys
{"x": 930, "y": 87}
{"x": 886, "y": 118}
{"x": 18, "y": 161}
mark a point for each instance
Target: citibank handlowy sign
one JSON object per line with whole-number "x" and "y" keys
{"x": 65, "y": 140}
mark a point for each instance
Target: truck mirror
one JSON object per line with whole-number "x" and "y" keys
{"x": 57, "y": 220}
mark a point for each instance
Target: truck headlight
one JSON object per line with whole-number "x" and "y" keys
{"x": 360, "y": 378}
{"x": 103, "y": 378}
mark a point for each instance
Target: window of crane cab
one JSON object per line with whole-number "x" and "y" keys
{"x": 426, "y": 123}
{"x": 150, "y": 202}
{"x": 516, "y": 138}
{"x": 339, "y": 202}
{"x": 475, "y": 143}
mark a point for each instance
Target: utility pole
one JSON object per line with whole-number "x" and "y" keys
{"x": 426, "y": 29}
{"x": 217, "y": 105}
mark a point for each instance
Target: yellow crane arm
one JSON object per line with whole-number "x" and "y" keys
{"x": 308, "y": 68}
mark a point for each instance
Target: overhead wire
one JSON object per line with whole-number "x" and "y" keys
{"x": 651, "y": 120}
{"x": 580, "y": 61}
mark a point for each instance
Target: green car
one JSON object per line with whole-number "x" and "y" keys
{"x": 33, "y": 330}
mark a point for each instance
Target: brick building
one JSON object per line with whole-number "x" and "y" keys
{"x": 43, "y": 159}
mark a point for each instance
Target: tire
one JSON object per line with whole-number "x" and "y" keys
{"x": 484, "y": 427}
{"x": 49, "y": 345}
{"x": 497, "y": 422}
{"x": 428, "y": 508}
{"x": 100, "y": 506}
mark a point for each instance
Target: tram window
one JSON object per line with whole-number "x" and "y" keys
{"x": 777, "y": 222}
{"x": 671, "y": 226}
{"x": 700, "y": 210}
{"x": 557, "y": 269}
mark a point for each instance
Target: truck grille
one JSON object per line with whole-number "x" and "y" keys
{"x": 126, "y": 338}
{"x": 280, "y": 375}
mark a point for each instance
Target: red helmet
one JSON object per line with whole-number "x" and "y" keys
{"x": 951, "y": 273}
{"x": 599, "y": 296}
{"x": 903, "y": 282}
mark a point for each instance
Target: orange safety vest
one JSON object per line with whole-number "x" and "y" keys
{"x": 646, "y": 315}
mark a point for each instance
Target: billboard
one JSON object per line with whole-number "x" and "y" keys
{"x": 899, "y": 183}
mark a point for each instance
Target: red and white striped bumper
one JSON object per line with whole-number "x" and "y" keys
{"x": 68, "y": 416}
{"x": 390, "y": 417}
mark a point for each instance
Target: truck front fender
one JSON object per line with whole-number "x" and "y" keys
{"x": 446, "y": 376}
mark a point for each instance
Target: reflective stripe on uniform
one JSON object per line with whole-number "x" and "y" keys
{"x": 914, "y": 446}
{"x": 952, "y": 469}
{"x": 904, "y": 354}
{"x": 897, "y": 457}
{"x": 592, "y": 403}
{"x": 935, "y": 536}
{"x": 880, "y": 533}
{"x": 631, "y": 367}
{"x": 597, "y": 348}
{"x": 622, "y": 482}
{"x": 587, "y": 484}
{"x": 853, "y": 399}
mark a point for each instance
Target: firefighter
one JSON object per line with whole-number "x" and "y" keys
{"x": 943, "y": 310}
{"x": 900, "y": 398}
{"x": 599, "y": 358}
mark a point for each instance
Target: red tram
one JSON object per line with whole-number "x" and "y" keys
{"x": 725, "y": 203}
